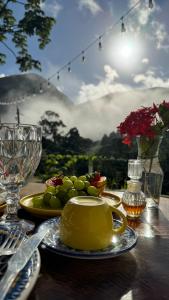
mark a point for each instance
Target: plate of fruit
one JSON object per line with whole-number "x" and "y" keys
{"x": 60, "y": 189}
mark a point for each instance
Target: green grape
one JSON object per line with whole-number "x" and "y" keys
{"x": 62, "y": 188}
{"x": 73, "y": 178}
{"x": 93, "y": 191}
{"x": 46, "y": 198}
{"x": 79, "y": 185}
{"x": 64, "y": 199}
{"x": 83, "y": 178}
{"x": 61, "y": 194}
{"x": 65, "y": 178}
{"x": 51, "y": 189}
{"x": 67, "y": 184}
{"x": 37, "y": 201}
{"x": 72, "y": 193}
{"x": 56, "y": 189}
{"x": 87, "y": 183}
{"x": 55, "y": 202}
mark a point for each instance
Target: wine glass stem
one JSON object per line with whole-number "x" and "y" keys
{"x": 12, "y": 203}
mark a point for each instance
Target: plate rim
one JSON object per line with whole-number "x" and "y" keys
{"x": 38, "y": 211}
{"x": 2, "y": 207}
{"x": 112, "y": 195}
{"x": 43, "y": 212}
{"x": 25, "y": 293}
{"x": 100, "y": 255}
{"x": 27, "y": 286}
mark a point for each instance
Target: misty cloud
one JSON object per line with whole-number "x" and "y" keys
{"x": 145, "y": 60}
{"x": 91, "y": 5}
{"x": 150, "y": 80}
{"x": 92, "y": 118}
{"x": 91, "y": 92}
{"x": 53, "y": 8}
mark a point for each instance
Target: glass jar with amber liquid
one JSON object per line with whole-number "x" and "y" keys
{"x": 134, "y": 200}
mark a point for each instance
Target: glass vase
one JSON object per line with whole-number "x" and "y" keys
{"x": 152, "y": 178}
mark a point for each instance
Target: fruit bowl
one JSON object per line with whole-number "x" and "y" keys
{"x": 60, "y": 189}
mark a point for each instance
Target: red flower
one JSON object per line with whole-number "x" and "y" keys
{"x": 127, "y": 141}
{"x": 147, "y": 121}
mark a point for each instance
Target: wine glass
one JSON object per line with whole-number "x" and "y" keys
{"x": 20, "y": 153}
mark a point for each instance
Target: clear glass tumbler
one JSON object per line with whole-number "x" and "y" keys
{"x": 20, "y": 153}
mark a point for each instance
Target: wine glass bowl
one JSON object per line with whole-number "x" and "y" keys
{"x": 20, "y": 153}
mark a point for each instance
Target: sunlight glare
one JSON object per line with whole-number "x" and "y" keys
{"x": 126, "y": 52}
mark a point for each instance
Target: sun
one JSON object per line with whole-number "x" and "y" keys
{"x": 126, "y": 52}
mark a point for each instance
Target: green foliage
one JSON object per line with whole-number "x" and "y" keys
{"x": 56, "y": 164}
{"x": 33, "y": 23}
{"x": 71, "y": 154}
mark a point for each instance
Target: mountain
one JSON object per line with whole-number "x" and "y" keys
{"x": 93, "y": 118}
{"x": 33, "y": 96}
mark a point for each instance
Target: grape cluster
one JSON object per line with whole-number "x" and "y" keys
{"x": 60, "y": 189}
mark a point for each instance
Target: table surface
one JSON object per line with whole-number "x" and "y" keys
{"x": 142, "y": 273}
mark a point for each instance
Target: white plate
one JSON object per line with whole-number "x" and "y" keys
{"x": 121, "y": 244}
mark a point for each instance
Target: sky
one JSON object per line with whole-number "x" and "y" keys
{"x": 135, "y": 59}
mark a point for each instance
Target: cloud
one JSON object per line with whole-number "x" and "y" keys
{"x": 91, "y": 5}
{"x": 143, "y": 13}
{"x": 2, "y": 75}
{"x": 145, "y": 60}
{"x": 150, "y": 80}
{"x": 51, "y": 8}
{"x": 91, "y": 92}
{"x": 156, "y": 30}
{"x": 160, "y": 35}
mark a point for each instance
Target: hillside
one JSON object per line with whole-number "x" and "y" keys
{"x": 93, "y": 118}
{"x": 28, "y": 87}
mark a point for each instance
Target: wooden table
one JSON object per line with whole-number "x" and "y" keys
{"x": 142, "y": 273}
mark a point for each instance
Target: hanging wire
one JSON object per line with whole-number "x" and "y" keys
{"x": 81, "y": 54}
{"x": 97, "y": 40}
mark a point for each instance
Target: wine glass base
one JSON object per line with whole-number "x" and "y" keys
{"x": 26, "y": 225}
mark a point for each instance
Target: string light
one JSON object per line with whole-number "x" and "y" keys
{"x": 48, "y": 85}
{"x": 82, "y": 53}
{"x": 97, "y": 40}
{"x": 69, "y": 67}
{"x": 83, "y": 57}
{"x": 150, "y": 4}
{"x": 100, "y": 43}
{"x": 123, "y": 28}
{"x": 41, "y": 89}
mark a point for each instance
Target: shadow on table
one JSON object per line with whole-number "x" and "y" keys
{"x": 68, "y": 278}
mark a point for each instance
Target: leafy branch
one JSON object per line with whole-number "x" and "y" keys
{"x": 33, "y": 23}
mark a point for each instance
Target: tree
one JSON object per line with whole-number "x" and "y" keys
{"x": 33, "y": 22}
{"x": 75, "y": 144}
{"x": 52, "y": 127}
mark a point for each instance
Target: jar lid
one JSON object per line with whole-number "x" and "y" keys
{"x": 135, "y": 168}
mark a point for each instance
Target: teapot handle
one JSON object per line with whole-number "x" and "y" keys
{"x": 123, "y": 226}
